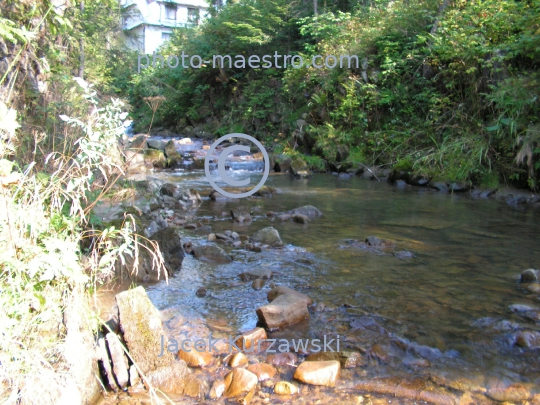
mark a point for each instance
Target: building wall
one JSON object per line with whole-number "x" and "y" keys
{"x": 146, "y": 22}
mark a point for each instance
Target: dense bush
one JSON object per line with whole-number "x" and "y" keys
{"x": 450, "y": 86}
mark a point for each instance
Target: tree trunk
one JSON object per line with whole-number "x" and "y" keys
{"x": 81, "y": 48}
{"x": 315, "y": 7}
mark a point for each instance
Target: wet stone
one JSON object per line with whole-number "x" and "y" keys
{"x": 196, "y": 358}
{"x": 534, "y": 287}
{"x": 239, "y": 382}
{"x": 263, "y": 371}
{"x": 258, "y": 284}
{"x": 318, "y": 372}
{"x": 285, "y": 388}
{"x": 530, "y": 276}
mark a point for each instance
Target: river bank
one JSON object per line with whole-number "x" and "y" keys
{"x": 440, "y": 317}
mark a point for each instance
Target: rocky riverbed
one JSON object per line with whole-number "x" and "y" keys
{"x": 426, "y": 287}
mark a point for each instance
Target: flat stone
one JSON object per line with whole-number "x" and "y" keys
{"x": 239, "y": 382}
{"x": 287, "y": 309}
{"x": 285, "y": 388}
{"x": 318, "y": 372}
{"x": 514, "y": 393}
{"x": 263, "y": 371}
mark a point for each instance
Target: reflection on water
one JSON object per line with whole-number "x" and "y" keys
{"x": 450, "y": 301}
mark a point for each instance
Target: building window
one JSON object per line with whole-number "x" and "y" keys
{"x": 170, "y": 12}
{"x": 193, "y": 15}
{"x": 165, "y": 36}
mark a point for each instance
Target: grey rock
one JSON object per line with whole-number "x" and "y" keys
{"x": 530, "y": 276}
{"x": 211, "y": 253}
{"x": 308, "y": 210}
{"x": 157, "y": 144}
{"x": 268, "y": 236}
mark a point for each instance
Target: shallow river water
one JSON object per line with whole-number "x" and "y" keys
{"x": 450, "y": 302}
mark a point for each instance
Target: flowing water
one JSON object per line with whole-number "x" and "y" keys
{"x": 450, "y": 302}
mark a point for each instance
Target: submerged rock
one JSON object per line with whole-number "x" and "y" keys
{"x": 258, "y": 284}
{"x": 195, "y": 358}
{"x": 517, "y": 392}
{"x": 263, "y": 371}
{"x": 241, "y": 214}
{"x": 254, "y": 274}
{"x": 528, "y": 339}
{"x": 281, "y": 290}
{"x": 301, "y": 219}
{"x": 285, "y": 388}
{"x": 347, "y": 359}
{"x": 376, "y": 242}
{"x": 534, "y": 287}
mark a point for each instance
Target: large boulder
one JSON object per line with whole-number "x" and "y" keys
{"x": 170, "y": 244}
{"x": 286, "y": 309}
{"x": 211, "y": 253}
{"x": 307, "y": 210}
{"x": 143, "y": 331}
{"x": 268, "y": 236}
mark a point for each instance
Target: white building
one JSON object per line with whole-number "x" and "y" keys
{"x": 149, "y": 22}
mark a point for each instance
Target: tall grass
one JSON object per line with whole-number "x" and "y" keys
{"x": 45, "y": 278}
